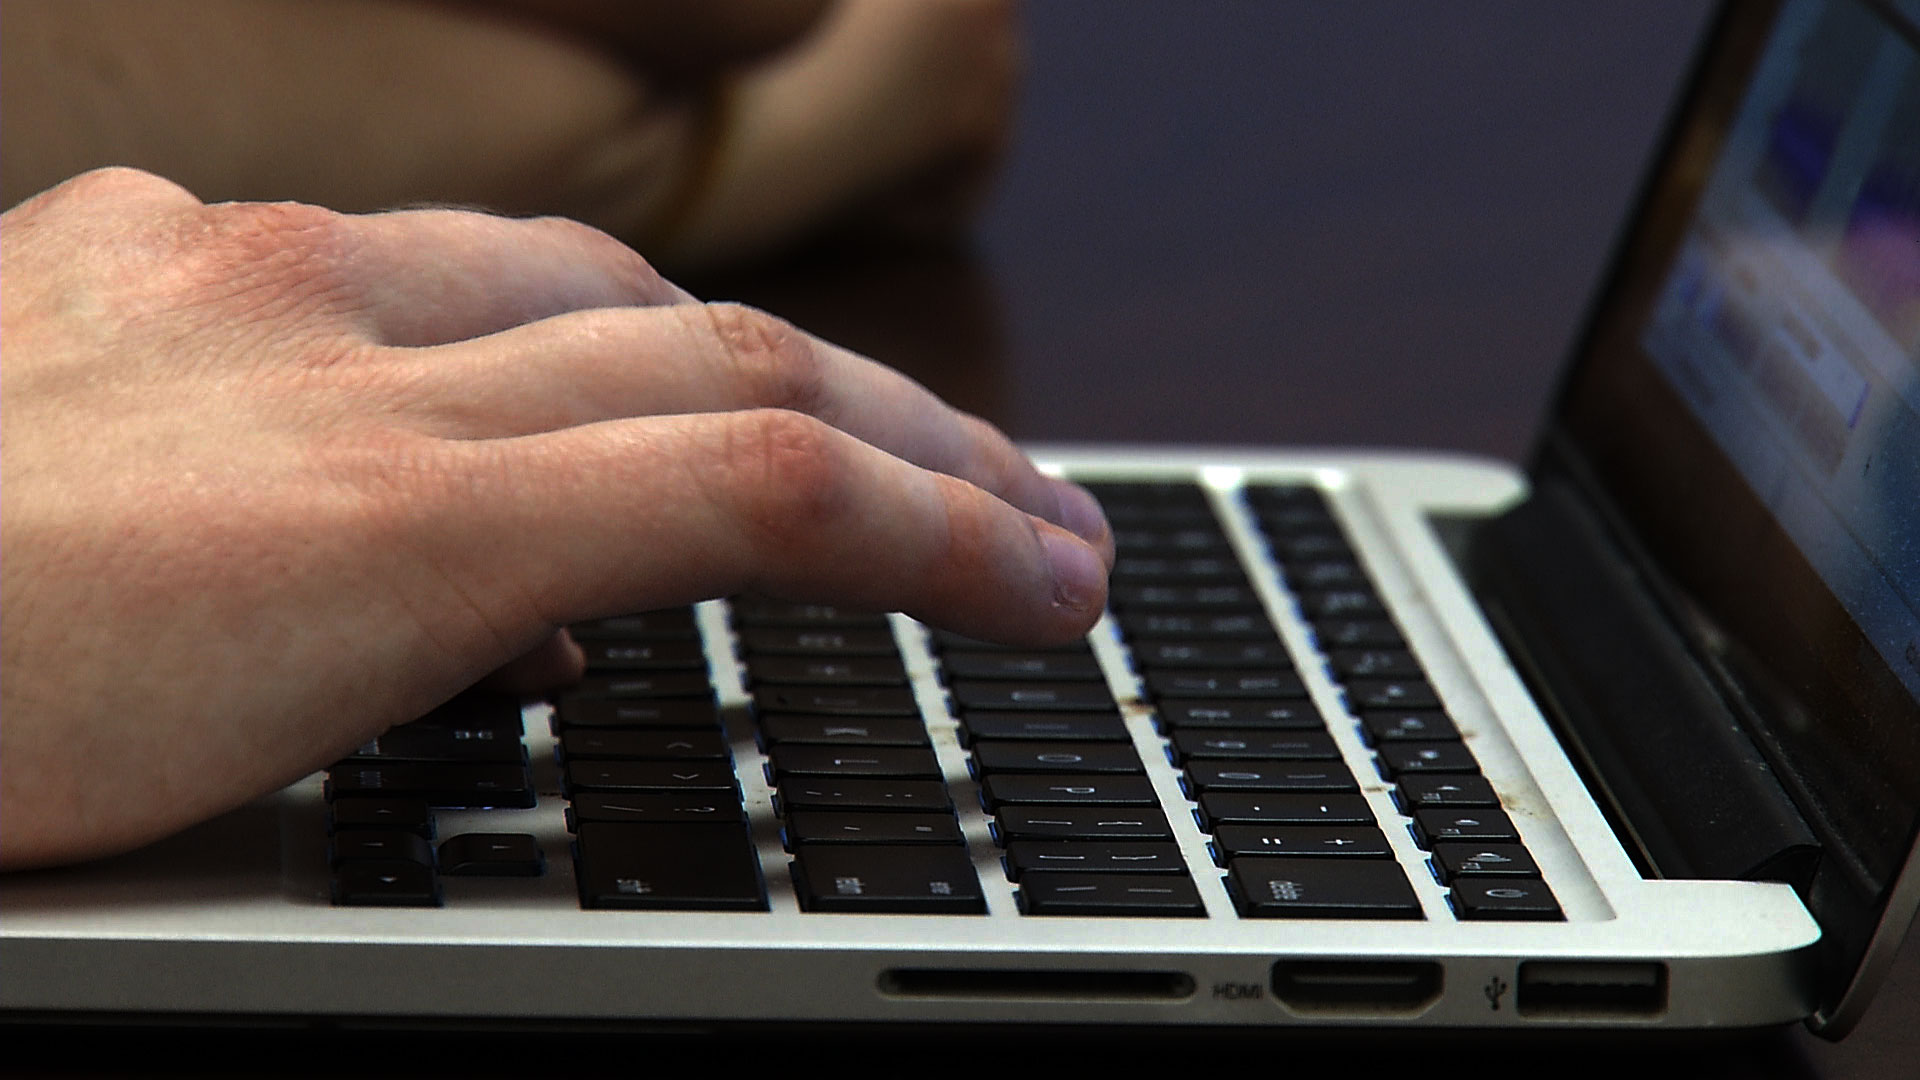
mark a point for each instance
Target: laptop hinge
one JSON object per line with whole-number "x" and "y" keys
{"x": 1642, "y": 716}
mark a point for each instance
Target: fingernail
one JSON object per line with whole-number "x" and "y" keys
{"x": 1080, "y": 513}
{"x": 1079, "y": 574}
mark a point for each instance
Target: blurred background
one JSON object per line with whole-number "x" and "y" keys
{"x": 1242, "y": 222}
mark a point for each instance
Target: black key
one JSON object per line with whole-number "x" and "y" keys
{"x": 1296, "y": 519}
{"x": 1253, "y": 745}
{"x": 1326, "y": 574}
{"x": 1210, "y": 685}
{"x": 1514, "y": 899}
{"x": 764, "y": 611}
{"x": 789, "y": 641}
{"x": 1135, "y": 895}
{"x": 1404, "y": 725}
{"x": 1149, "y": 515}
{"x": 1001, "y": 789}
{"x": 1036, "y": 696}
{"x": 676, "y": 867}
{"x": 1307, "y": 776}
{"x": 901, "y": 762}
{"x": 833, "y": 827}
{"x": 1150, "y": 655}
{"x": 1093, "y": 857}
{"x": 1336, "y": 842}
{"x": 622, "y": 655}
{"x": 1004, "y": 664}
{"x": 387, "y": 845}
{"x": 682, "y": 776}
{"x": 647, "y": 745}
{"x": 439, "y": 784}
{"x": 1282, "y": 808}
{"x": 837, "y": 700}
{"x": 1284, "y": 496}
{"x": 635, "y": 713}
{"x": 475, "y": 711}
{"x": 779, "y": 728}
{"x": 1079, "y": 823}
{"x": 1020, "y": 756}
{"x": 406, "y": 815}
{"x": 824, "y": 793}
{"x": 1363, "y": 694}
{"x": 1195, "y": 540}
{"x": 666, "y": 623}
{"x": 663, "y": 684}
{"x": 655, "y": 807}
{"x": 1310, "y": 546}
{"x": 1341, "y": 604}
{"x": 1469, "y": 826}
{"x": 1401, "y": 758}
{"x": 1064, "y": 727}
{"x": 1299, "y": 715}
{"x": 1357, "y": 633}
{"x": 1209, "y": 626}
{"x": 426, "y": 742}
{"x": 1270, "y": 888}
{"x": 492, "y": 855}
{"x": 945, "y": 640}
{"x": 1483, "y": 860}
{"x": 829, "y": 671}
{"x": 1444, "y": 792}
{"x": 386, "y": 884}
{"x": 1374, "y": 664}
{"x": 1177, "y": 570}
{"x": 1151, "y": 492}
{"x": 1230, "y": 597}
{"x": 926, "y": 879}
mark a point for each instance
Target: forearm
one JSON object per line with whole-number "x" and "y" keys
{"x": 356, "y": 104}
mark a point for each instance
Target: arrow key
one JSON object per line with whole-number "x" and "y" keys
{"x": 492, "y": 855}
{"x": 828, "y": 827}
{"x": 386, "y": 884}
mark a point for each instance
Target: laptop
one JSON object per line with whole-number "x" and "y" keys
{"x": 1628, "y": 740}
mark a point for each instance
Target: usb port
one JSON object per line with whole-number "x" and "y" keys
{"x": 1577, "y": 988}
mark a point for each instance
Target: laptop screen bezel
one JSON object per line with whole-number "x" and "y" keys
{"x": 1623, "y": 427}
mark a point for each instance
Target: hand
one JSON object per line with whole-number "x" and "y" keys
{"x": 276, "y": 479}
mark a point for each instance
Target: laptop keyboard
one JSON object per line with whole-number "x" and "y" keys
{"x": 869, "y": 821}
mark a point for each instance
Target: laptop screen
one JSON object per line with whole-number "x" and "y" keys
{"x": 1749, "y": 398}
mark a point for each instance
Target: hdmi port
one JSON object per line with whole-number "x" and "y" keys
{"x": 1357, "y": 987}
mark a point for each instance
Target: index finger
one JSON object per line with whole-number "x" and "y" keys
{"x": 630, "y": 515}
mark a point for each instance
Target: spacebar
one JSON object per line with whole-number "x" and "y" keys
{"x": 699, "y": 867}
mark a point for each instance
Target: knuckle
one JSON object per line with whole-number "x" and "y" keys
{"x": 790, "y": 474}
{"x": 775, "y": 365}
{"x": 633, "y": 275}
{"x": 277, "y": 261}
{"x": 121, "y": 181}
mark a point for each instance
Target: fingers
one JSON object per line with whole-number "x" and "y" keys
{"x": 630, "y": 515}
{"x": 608, "y": 364}
{"x": 435, "y": 276}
